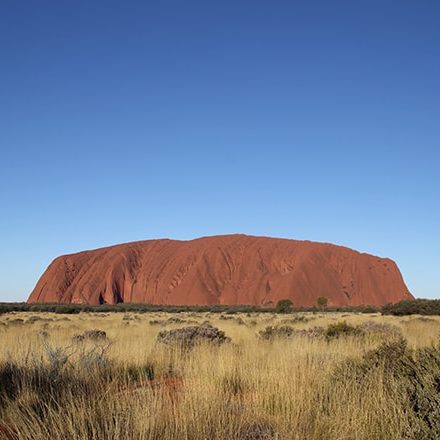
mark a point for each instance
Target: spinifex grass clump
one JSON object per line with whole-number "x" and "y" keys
{"x": 188, "y": 337}
{"x": 332, "y": 331}
{"x": 280, "y": 331}
{"x": 409, "y": 377}
{"x": 72, "y": 381}
{"x": 380, "y": 329}
{"x": 48, "y": 382}
{"x": 171, "y": 320}
{"x": 297, "y": 319}
{"x": 342, "y": 329}
{"x": 94, "y": 335}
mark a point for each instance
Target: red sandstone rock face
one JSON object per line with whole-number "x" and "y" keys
{"x": 231, "y": 269}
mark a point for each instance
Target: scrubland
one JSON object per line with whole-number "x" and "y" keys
{"x": 281, "y": 376}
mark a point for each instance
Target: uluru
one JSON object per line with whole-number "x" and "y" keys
{"x": 228, "y": 269}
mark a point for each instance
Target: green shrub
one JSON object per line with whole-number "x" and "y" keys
{"x": 284, "y": 306}
{"x": 342, "y": 329}
{"x": 322, "y": 302}
{"x": 413, "y": 307}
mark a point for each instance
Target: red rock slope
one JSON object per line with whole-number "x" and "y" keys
{"x": 230, "y": 269}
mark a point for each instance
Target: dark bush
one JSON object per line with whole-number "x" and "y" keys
{"x": 67, "y": 309}
{"x": 48, "y": 380}
{"x": 413, "y": 307}
{"x": 342, "y": 329}
{"x": 188, "y": 337}
{"x": 322, "y": 302}
{"x": 284, "y": 306}
{"x": 8, "y": 382}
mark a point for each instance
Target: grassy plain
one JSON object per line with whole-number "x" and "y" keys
{"x": 127, "y": 386}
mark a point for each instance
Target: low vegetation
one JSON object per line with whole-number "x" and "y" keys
{"x": 322, "y": 302}
{"x": 410, "y": 307}
{"x": 246, "y": 376}
{"x": 415, "y": 307}
{"x": 283, "y": 306}
{"x": 334, "y": 330}
{"x": 407, "y": 307}
{"x": 190, "y": 337}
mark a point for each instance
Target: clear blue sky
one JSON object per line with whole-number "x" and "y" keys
{"x": 129, "y": 120}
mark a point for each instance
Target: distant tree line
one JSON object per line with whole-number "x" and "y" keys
{"x": 413, "y": 307}
{"x": 419, "y": 306}
{"x": 284, "y": 306}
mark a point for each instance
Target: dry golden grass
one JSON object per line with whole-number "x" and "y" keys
{"x": 250, "y": 389}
